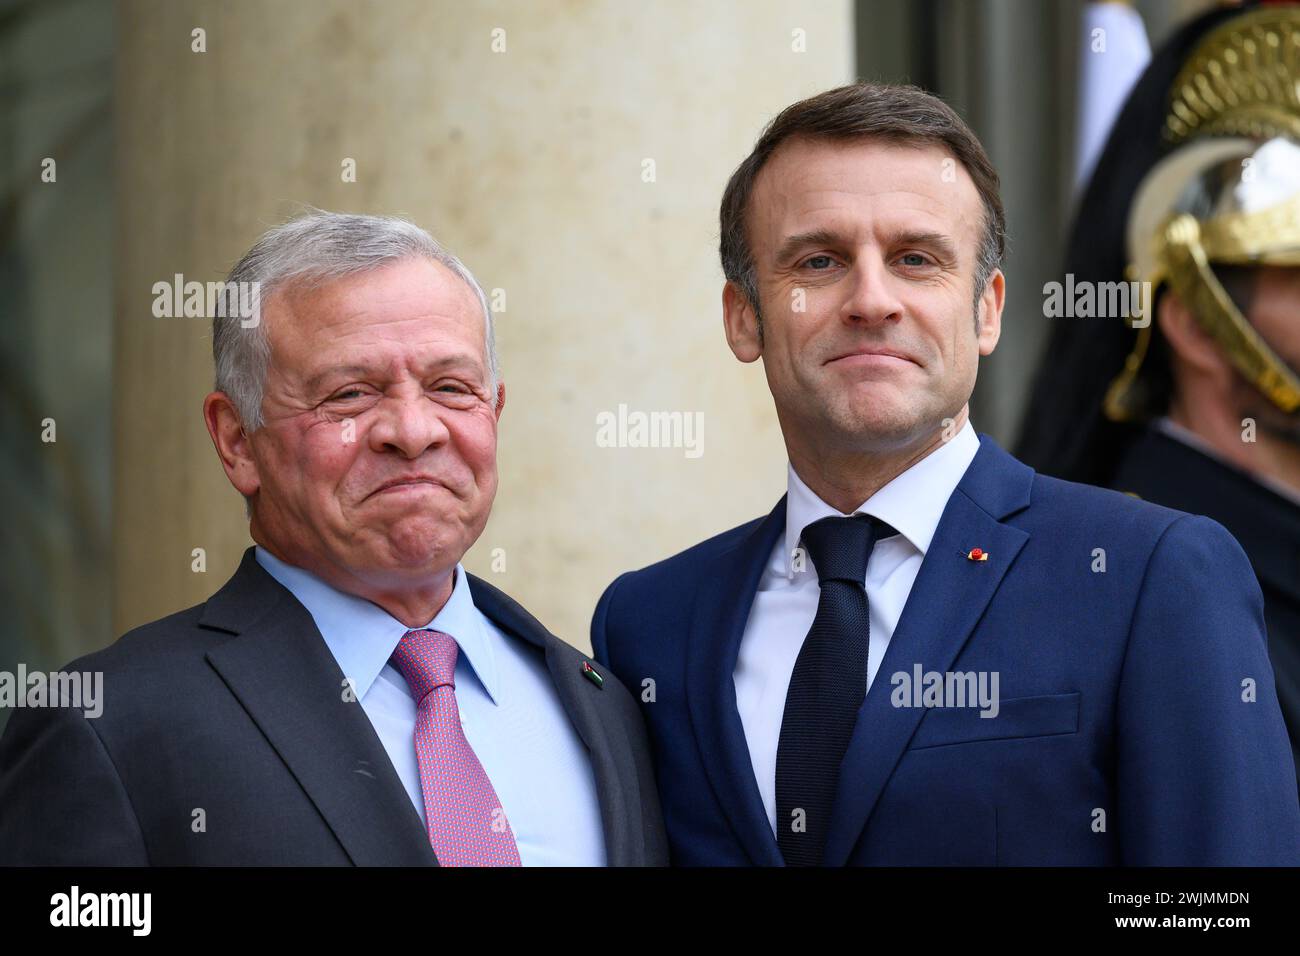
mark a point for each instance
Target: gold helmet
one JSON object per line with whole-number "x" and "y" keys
{"x": 1228, "y": 193}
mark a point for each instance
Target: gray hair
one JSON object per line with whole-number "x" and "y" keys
{"x": 316, "y": 247}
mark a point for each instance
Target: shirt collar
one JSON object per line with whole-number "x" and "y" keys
{"x": 1186, "y": 436}
{"x": 912, "y": 503}
{"x": 362, "y": 636}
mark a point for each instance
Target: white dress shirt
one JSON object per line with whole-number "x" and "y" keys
{"x": 786, "y": 601}
{"x": 509, "y": 709}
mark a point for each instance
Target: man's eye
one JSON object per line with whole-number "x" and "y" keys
{"x": 349, "y": 393}
{"x": 913, "y": 259}
{"x": 819, "y": 262}
{"x": 449, "y": 386}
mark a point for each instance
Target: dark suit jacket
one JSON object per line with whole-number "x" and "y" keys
{"x": 1164, "y": 470}
{"x": 1123, "y": 735}
{"x": 236, "y": 707}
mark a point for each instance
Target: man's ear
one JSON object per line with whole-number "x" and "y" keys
{"x": 232, "y": 443}
{"x": 740, "y": 322}
{"x": 1191, "y": 343}
{"x": 993, "y": 298}
{"x": 501, "y": 399}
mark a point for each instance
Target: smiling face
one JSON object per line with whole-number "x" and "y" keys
{"x": 376, "y": 465}
{"x": 865, "y": 258}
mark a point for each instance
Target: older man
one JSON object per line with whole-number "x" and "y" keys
{"x": 927, "y": 653}
{"x": 351, "y": 695}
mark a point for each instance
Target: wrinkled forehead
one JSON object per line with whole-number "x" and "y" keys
{"x": 862, "y": 185}
{"x": 408, "y": 306}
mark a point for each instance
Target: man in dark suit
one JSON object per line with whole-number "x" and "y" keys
{"x": 351, "y": 695}
{"x": 927, "y": 653}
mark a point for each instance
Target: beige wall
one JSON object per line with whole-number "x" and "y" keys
{"x": 529, "y": 165}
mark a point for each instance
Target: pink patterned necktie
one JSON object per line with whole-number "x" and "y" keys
{"x": 467, "y": 825}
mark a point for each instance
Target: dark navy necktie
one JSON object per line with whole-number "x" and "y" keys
{"x": 827, "y": 687}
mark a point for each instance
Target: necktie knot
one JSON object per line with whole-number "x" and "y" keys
{"x": 840, "y": 547}
{"x": 427, "y": 660}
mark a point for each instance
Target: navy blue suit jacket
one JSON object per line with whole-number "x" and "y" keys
{"x": 1127, "y": 732}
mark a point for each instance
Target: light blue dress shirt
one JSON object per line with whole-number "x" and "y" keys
{"x": 509, "y": 709}
{"x": 788, "y": 592}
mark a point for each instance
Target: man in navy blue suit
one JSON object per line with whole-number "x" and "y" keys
{"x": 927, "y": 653}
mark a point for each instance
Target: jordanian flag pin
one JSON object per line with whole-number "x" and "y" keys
{"x": 977, "y": 554}
{"x": 591, "y": 674}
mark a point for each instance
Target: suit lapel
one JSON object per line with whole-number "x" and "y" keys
{"x": 284, "y": 675}
{"x": 947, "y": 600}
{"x": 722, "y": 608}
{"x": 613, "y": 764}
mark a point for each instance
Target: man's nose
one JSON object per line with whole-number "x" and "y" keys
{"x": 872, "y": 297}
{"x": 409, "y": 425}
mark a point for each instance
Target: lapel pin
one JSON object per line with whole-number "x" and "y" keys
{"x": 590, "y": 673}
{"x": 977, "y": 554}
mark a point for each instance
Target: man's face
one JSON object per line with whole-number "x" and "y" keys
{"x": 1274, "y": 306}
{"x": 865, "y": 254}
{"x": 377, "y": 458}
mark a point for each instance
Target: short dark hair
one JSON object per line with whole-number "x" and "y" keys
{"x": 898, "y": 114}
